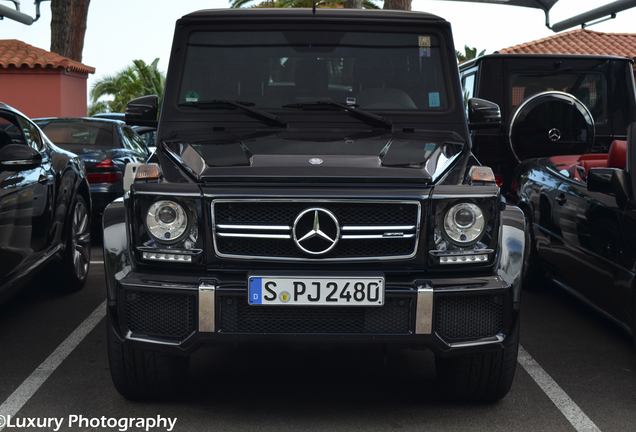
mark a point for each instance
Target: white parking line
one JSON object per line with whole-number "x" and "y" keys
{"x": 97, "y": 262}
{"x": 570, "y": 410}
{"x": 27, "y": 389}
{"x": 22, "y": 394}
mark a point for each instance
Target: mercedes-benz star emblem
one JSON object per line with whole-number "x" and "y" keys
{"x": 316, "y": 231}
{"x": 554, "y": 134}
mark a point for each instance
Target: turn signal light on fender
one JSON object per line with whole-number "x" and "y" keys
{"x": 148, "y": 172}
{"x": 481, "y": 174}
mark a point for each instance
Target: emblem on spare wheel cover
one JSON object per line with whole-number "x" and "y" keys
{"x": 316, "y": 231}
{"x": 554, "y": 134}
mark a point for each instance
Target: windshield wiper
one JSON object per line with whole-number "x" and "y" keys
{"x": 369, "y": 118}
{"x": 265, "y": 117}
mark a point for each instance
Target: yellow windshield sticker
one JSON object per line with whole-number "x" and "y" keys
{"x": 424, "y": 41}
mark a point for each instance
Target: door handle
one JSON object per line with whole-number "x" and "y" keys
{"x": 561, "y": 199}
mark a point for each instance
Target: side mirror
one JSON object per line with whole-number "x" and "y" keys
{"x": 142, "y": 111}
{"x": 18, "y": 157}
{"x": 609, "y": 181}
{"x": 483, "y": 114}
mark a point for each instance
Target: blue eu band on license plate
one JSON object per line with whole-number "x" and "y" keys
{"x": 319, "y": 291}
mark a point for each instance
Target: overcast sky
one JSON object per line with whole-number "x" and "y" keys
{"x": 120, "y": 31}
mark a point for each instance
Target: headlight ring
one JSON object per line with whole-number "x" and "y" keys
{"x": 464, "y": 224}
{"x": 166, "y": 221}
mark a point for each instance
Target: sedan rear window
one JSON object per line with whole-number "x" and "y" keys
{"x": 79, "y": 133}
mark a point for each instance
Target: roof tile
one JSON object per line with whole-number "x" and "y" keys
{"x": 19, "y": 54}
{"x": 580, "y": 41}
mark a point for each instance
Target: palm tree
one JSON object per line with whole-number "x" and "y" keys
{"x": 366, "y": 4}
{"x": 140, "y": 79}
{"x": 469, "y": 53}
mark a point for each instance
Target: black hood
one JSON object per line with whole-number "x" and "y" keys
{"x": 290, "y": 156}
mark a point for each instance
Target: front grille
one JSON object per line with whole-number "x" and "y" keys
{"x": 160, "y": 315}
{"x": 265, "y": 229}
{"x": 237, "y": 316}
{"x": 461, "y": 318}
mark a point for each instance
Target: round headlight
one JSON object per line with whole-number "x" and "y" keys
{"x": 464, "y": 224}
{"x": 166, "y": 221}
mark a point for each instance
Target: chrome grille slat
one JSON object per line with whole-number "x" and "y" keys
{"x": 374, "y": 236}
{"x": 252, "y": 235}
{"x": 255, "y": 227}
{"x": 263, "y": 229}
{"x": 382, "y": 228}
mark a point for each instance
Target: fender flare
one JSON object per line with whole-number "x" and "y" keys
{"x": 117, "y": 262}
{"x": 513, "y": 248}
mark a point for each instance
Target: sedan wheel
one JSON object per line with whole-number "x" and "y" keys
{"x": 73, "y": 270}
{"x": 81, "y": 240}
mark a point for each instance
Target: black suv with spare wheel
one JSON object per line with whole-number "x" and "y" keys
{"x": 313, "y": 182}
{"x": 551, "y": 104}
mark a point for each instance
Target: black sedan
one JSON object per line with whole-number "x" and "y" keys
{"x": 45, "y": 206}
{"x": 582, "y": 210}
{"x": 105, "y": 145}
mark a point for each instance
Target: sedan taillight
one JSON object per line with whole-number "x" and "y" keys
{"x": 104, "y": 172}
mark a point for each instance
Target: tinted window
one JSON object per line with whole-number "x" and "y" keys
{"x": 384, "y": 71}
{"x": 468, "y": 89}
{"x": 134, "y": 142}
{"x": 9, "y": 132}
{"x": 31, "y": 133}
{"x": 589, "y": 88}
{"x": 79, "y": 133}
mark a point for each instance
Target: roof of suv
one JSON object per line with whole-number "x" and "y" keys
{"x": 343, "y": 14}
{"x": 471, "y": 62}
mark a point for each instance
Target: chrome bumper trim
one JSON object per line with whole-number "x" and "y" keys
{"x": 485, "y": 341}
{"x": 207, "y": 306}
{"x": 424, "y": 313}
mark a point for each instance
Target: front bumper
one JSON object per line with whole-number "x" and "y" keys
{"x": 179, "y": 314}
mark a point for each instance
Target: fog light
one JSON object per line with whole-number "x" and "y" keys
{"x": 159, "y": 256}
{"x": 463, "y": 259}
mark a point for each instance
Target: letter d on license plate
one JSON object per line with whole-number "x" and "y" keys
{"x": 315, "y": 291}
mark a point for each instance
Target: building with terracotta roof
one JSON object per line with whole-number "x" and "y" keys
{"x": 41, "y": 83}
{"x": 580, "y": 41}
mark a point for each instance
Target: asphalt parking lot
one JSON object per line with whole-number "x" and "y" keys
{"x": 576, "y": 371}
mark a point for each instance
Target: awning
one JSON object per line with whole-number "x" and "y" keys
{"x": 544, "y": 5}
{"x": 602, "y": 13}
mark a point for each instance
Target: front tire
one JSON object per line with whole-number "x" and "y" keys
{"x": 483, "y": 377}
{"x": 73, "y": 269}
{"x": 142, "y": 374}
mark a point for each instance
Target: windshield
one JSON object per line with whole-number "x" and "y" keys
{"x": 270, "y": 69}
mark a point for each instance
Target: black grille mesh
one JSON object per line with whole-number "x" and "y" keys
{"x": 359, "y": 214}
{"x": 239, "y": 317}
{"x": 284, "y": 213}
{"x": 160, "y": 315}
{"x": 468, "y": 317}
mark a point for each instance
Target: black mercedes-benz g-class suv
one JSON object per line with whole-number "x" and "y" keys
{"x": 551, "y": 104}
{"x": 313, "y": 182}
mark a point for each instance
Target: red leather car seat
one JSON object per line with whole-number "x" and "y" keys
{"x": 617, "y": 156}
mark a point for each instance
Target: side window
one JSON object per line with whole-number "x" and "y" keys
{"x": 8, "y": 131}
{"x": 31, "y": 133}
{"x": 133, "y": 141}
{"x": 468, "y": 89}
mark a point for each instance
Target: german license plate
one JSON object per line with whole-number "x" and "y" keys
{"x": 316, "y": 291}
